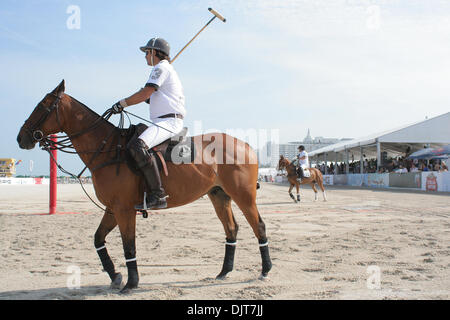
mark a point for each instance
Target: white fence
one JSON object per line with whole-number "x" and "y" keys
{"x": 4, "y": 181}
{"x": 427, "y": 181}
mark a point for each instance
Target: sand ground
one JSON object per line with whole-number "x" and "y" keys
{"x": 319, "y": 250}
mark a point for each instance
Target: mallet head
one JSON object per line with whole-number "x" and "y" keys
{"x": 217, "y": 14}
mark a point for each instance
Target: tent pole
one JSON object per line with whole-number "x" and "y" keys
{"x": 347, "y": 162}
{"x": 361, "y": 160}
{"x": 378, "y": 155}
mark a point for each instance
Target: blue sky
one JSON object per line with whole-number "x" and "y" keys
{"x": 343, "y": 68}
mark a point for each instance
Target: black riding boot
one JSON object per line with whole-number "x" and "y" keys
{"x": 300, "y": 174}
{"x": 149, "y": 167}
{"x": 157, "y": 197}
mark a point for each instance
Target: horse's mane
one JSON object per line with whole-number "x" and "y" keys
{"x": 92, "y": 111}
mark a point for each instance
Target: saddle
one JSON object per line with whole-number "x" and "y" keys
{"x": 178, "y": 149}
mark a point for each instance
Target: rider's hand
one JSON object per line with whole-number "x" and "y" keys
{"x": 118, "y": 106}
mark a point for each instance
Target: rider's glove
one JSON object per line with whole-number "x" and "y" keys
{"x": 119, "y": 106}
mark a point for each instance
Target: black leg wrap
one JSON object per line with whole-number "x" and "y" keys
{"x": 228, "y": 261}
{"x": 107, "y": 263}
{"x": 265, "y": 257}
{"x": 133, "y": 276}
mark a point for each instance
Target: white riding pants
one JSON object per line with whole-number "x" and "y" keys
{"x": 154, "y": 135}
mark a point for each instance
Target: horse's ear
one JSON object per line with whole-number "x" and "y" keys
{"x": 59, "y": 90}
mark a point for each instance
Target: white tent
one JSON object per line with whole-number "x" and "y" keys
{"x": 434, "y": 132}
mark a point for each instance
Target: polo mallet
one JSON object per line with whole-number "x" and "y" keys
{"x": 216, "y": 14}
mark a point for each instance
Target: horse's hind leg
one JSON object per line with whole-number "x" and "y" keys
{"x": 222, "y": 205}
{"x": 247, "y": 203}
{"x": 315, "y": 190}
{"x": 320, "y": 183}
{"x": 107, "y": 224}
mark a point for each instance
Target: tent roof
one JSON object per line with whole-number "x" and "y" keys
{"x": 434, "y": 131}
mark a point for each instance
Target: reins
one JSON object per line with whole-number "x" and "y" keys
{"x": 64, "y": 143}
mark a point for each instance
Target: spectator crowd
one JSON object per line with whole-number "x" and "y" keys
{"x": 397, "y": 165}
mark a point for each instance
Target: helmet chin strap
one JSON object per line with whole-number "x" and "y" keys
{"x": 151, "y": 57}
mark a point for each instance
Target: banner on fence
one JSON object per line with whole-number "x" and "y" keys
{"x": 378, "y": 180}
{"x": 406, "y": 180}
{"x": 328, "y": 179}
{"x": 436, "y": 181}
{"x": 340, "y": 179}
{"x": 357, "y": 180}
{"x": 24, "y": 181}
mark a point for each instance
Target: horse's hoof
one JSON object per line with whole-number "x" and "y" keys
{"x": 117, "y": 282}
{"x": 128, "y": 289}
{"x": 222, "y": 275}
{"x": 263, "y": 276}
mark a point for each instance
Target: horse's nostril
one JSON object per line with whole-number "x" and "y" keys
{"x": 19, "y": 138}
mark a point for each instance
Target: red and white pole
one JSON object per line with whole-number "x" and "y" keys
{"x": 53, "y": 179}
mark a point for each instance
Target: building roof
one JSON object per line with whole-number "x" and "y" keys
{"x": 434, "y": 131}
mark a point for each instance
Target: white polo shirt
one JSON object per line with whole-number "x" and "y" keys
{"x": 169, "y": 96}
{"x": 304, "y": 162}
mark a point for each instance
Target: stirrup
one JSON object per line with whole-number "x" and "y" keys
{"x": 155, "y": 202}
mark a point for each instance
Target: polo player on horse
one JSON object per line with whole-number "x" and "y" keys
{"x": 302, "y": 163}
{"x": 164, "y": 93}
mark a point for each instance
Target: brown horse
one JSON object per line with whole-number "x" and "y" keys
{"x": 223, "y": 172}
{"x": 315, "y": 177}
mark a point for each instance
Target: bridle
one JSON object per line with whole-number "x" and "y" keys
{"x": 47, "y": 144}
{"x": 34, "y": 130}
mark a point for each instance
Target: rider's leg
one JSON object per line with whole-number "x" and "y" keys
{"x": 148, "y": 166}
{"x": 152, "y": 136}
{"x": 300, "y": 173}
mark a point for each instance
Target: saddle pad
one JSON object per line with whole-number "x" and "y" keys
{"x": 306, "y": 173}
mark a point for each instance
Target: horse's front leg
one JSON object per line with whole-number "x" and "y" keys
{"x": 126, "y": 220}
{"x": 290, "y": 192}
{"x": 297, "y": 186}
{"x": 107, "y": 224}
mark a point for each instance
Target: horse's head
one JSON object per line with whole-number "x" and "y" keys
{"x": 43, "y": 120}
{"x": 282, "y": 163}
